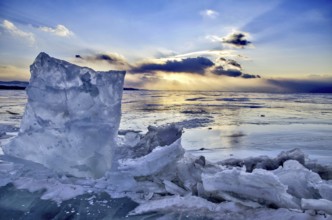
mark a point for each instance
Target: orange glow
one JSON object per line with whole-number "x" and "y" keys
{"x": 183, "y": 81}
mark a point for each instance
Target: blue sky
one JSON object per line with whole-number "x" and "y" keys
{"x": 156, "y": 40}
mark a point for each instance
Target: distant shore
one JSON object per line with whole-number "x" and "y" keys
{"x": 21, "y": 85}
{"x": 18, "y": 85}
{"x": 2, "y": 87}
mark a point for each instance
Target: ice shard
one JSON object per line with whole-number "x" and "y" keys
{"x": 260, "y": 186}
{"x": 71, "y": 119}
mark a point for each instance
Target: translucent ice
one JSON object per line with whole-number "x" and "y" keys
{"x": 154, "y": 152}
{"x": 192, "y": 207}
{"x": 264, "y": 162}
{"x": 180, "y": 203}
{"x": 260, "y": 186}
{"x": 71, "y": 118}
{"x": 154, "y": 162}
{"x": 325, "y": 190}
{"x": 300, "y": 180}
{"x": 317, "y": 204}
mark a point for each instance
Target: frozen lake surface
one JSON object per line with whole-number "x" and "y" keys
{"x": 224, "y": 124}
{"x": 218, "y": 125}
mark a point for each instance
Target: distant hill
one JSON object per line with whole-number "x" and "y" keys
{"x": 13, "y": 85}
{"x": 131, "y": 89}
{"x": 21, "y": 85}
{"x": 322, "y": 90}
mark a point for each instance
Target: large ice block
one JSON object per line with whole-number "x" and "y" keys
{"x": 71, "y": 118}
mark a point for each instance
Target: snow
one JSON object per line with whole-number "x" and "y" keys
{"x": 71, "y": 119}
{"x": 68, "y": 146}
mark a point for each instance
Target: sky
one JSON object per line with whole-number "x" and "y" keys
{"x": 225, "y": 45}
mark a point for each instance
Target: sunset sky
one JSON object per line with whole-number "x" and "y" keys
{"x": 242, "y": 45}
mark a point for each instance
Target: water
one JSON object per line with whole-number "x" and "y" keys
{"x": 219, "y": 125}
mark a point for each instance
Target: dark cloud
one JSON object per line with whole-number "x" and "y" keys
{"x": 196, "y": 65}
{"x": 308, "y": 86}
{"x": 234, "y": 63}
{"x": 231, "y": 63}
{"x": 220, "y": 71}
{"x": 106, "y": 58}
{"x": 110, "y": 58}
{"x": 250, "y": 76}
{"x": 237, "y": 40}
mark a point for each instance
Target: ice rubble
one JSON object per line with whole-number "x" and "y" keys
{"x": 70, "y": 125}
{"x": 69, "y": 110}
{"x": 251, "y": 189}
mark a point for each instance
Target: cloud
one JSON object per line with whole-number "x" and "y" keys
{"x": 196, "y": 65}
{"x": 166, "y": 81}
{"x": 208, "y": 53}
{"x": 250, "y": 76}
{"x": 221, "y": 71}
{"x": 208, "y": 13}
{"x": 231, "y": 68}
{"x": 60, "y": 30}
{"x": 9, "y": 73}
{"x": 319, "y": 85}
{"x": 234, "y": 64}
{"x": 164, "y": 53}
{"x": 229, "y": 63}
{"x": 174, "y": 81}
{"x": 214, "y": 38}
{"x": 237, "y": 40}
{"x": 111, "y": 58}
{"x": 16, "y": 32}
{"x": 106, "y": 57}
{"x": 141, "y": 81}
